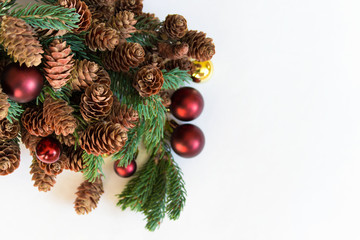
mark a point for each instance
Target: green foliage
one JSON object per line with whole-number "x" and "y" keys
{"x": 62, "y": 93}
{"x": 51, "y": 2}
{"x": 47, "y": 16}
{"x": 147, "y": 31}
{"x": 5, "y": 6}
{"x": 175, "y": 78}
{"x": 15, "y": 111}
{"x": 93, "y": 166}
{"x": 147, "y": 23}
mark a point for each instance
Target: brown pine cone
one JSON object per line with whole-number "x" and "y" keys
{"x": 201, "y": 47}
{"x": 175, "y": 26}
{"x": 58, "y": 115}
{"x": 33, "y": 121}
{"x": 20, "y": 42}
{"x": 75, "y": 160}
{"x": 182, "y": 64}
{"x": 43, "y": 181}
{"x": 43, "y": 33}
{"x": 165, "y": 98}
{"x": 55, "y": 168}
{"x": 59, "y": 63}
{"x": 123, "y": 22}
{"x": 9, "y": 157}
{"x": 68, "y": 140}
{"x": 88, "y": 196}
{"x": 127, "y": 117}
{"x": 9, "y": 130}
{"x": 100, "y": 2}
{"x": 103, "y": 138}
{"x": 81, "y": 9}
{"x": 148, "y": 81}
{"x": 101, "y": 37}
{"x": 101, "y": 13}
{"x": 124, "y": 56}
{"x": 155, "y": 60}
{"x": 134, "y": 6}
{"x": 173, "y": 52}
{"x": 86, "y": 73}
{"x": 4, "y": 105}
{"x": 30, "y": 141}
{"x": 96, "y": 102}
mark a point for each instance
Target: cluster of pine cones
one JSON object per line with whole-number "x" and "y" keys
{"x": 107, "y": 24}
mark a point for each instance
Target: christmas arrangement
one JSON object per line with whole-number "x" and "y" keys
{"x": 85, "y": 80}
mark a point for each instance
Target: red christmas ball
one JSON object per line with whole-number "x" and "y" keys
{"x": 22, "y": 84}
{"x": 48, "y": 150}
{"x": 187, "y": 104}
{"x": 187, "y": 140}
{"x": 125, "y": 172}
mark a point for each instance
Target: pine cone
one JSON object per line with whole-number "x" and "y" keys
{"x": 75, "y": 160}
{"x": 165, "y": 98}
{"x": 88, "y": 196}
{"x": 124, "y": 56}
{"x": 81, "y": 9}
{"x": 103, "y": 138}
{"x": 55, "y": 168}
{"x": 127, "y": 117}
{"x": 123, "y": 22}
{"x": 175, "y": 26}
{"x": 201, "y": 48}
{"x": 148, "y": 81}
{"x": 182, "y": 64}
{"x": 102, "y": 38}
{"x": 68, "y": 140}
{"x": 100, "y": 2}
{"x": 9, "y": 157}
{"x": 96, "y": 102}
{"x": 9, "y": 130}
{"x": 45, "y": 33}
{"x": 4, "y": 105}
{"x": 59, "y": 63}
{"x": 34, "y": 122}
{"x": 155, "y": 60}
{"x": 86, "y": 73}
{"x": 134, "y": 6}
{"x": 43, "y": 181}
{"x": 101, "y": 13}
{"x": 30, "y": 141}
{"x": 173, "y": 52}
{"x": 58, "y": 115}
{"x": 19, "y": 40}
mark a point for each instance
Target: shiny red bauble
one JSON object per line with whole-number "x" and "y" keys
{"x": 187, "y": 140}
{"x": 186, "y": 104}
{"x": 48, "y": 150}
{"x": 125, "y": 172}
{"x": 22, "y": 84}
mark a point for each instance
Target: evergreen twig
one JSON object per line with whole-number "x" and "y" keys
{"x": 175, "y": 78}
{"x": 5, "y": 6}
{"x": 93, "y": 166}
{"x": 15, "y": 111}
{"x": 63, "y": 93}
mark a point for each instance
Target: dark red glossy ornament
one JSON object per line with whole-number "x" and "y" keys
{"x": 187, "y": 140}
{"x": 48, "y": 150}
{"x": 125, "y": 172}
{"x": 22, "y": 84}
{"x": 187, "y": 104}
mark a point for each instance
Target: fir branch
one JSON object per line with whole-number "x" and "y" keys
{"x": 147, "y": 23}
{"x": 5, "y": 6}
{"x": 15, "y": 111}
{"x": 147, "y": 31}
{"x": 175, "y": 78}
{"x": 93, "y": 166}
{"x": 51, "y": 2}
{"x": 147, "y": 39}
{"x": 48, "y": 16}
{"x": 63, "y": 93}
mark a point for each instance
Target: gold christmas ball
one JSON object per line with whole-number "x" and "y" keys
{"x": 203, "y": 71}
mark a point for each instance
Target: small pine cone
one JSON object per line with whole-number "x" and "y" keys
{"x": 75, "y": 160}
{"x": 123, "y": 22}
{"x": 201, "y": 47}
{"x": 33, "y": 121}
{"x": 102, "y": 38}
{"x": 103, "y": 138}
{"x": 58, "y": 115}
{"x": 55, "y": 168}
{"x": 96, "y": 102}
{"x": 30, "y": 141}
{"x": 68, "y": 140}
{"x": 43, "y": 181}
{"x": 59, "y": 63}
{"x": 124, "y": 57}
{"x": 81, "y": 9}
{"x": 127, "y": 117}
{"x": 9, "y": 157}
{"x": 155, "y": 60}
{"x": 101, "y": 13}
{"x": 9, "y": 130}
{"x": 45, "y": 33}
{"x": 19, "y": 40}
{"x": 86, "y": 73}
{"x": 134, "y": 6}
{"x": 165, "y": 98}
{"x": 148, "y": 81}
{"x": 182, "y": 64}
{"x": 175, "y": 26}
{"x": 4, "y": 105}
{"x": 88, "y": 196}
{"x": 173, "y": 52}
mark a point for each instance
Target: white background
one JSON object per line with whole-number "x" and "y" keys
{"x": 282, "y": 123}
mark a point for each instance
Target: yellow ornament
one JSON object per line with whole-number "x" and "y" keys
{"x": 203, "y": 71}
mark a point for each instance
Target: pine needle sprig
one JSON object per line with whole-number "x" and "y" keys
{"x": 15, "y": 111}
{"x": 146, "y": 39}
{"x": 147, "y": 31}
{"x": 175, "y": 78}
{"x": 47, "y": 16}
{"x": 147, "y": 23}
{"x": 63, "y": 93}
{"x": 93, "y": 166}
{"x": 51, "y": 2}
{"x": 5, "y": 7}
